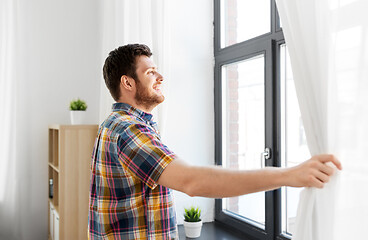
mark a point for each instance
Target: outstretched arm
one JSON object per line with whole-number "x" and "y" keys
{"x": 217, "y": 182}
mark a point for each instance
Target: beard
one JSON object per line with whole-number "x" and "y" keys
{"x": 146, "y": 98}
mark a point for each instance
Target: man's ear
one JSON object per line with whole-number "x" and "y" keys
{"x": 127, "y": 82}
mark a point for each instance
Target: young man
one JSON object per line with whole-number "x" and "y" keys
{"x": 133, "y": 171}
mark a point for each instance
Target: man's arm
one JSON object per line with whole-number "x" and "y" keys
{"x": 217, "y": 182}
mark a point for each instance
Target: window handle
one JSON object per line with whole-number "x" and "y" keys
{"x": 265, "y": 155}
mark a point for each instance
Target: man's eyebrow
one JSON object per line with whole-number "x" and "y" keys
{"x": 149, "y": 68}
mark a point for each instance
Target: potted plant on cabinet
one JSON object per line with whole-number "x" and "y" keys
{"x": 192, "y": 222}
{"x": 77, "y": 111}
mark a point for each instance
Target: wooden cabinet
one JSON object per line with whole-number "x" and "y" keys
{"x": 70, "y": 151}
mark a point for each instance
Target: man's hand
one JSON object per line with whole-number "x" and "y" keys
{"x": 312, "y": 173}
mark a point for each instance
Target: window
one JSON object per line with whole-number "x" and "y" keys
{"x": 256, "y": 110}
{"x": 243, "y": 20}
{"x": 243, "y": 137}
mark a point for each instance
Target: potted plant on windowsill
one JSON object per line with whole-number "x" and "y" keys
{"x": 192, "y": 222}
{"x": 77, "y": 111}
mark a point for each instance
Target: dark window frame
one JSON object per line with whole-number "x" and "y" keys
{"x": 269, "y": 45}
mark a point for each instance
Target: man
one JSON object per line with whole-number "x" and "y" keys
{"x": 133, "y": 171}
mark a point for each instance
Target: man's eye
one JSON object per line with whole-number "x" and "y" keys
{"x": 151, "y": 72}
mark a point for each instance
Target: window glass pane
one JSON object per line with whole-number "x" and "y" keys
{"x": 243, "y": 127}
{"x": 243, "y": 19}
{"x": 293, "y": 141}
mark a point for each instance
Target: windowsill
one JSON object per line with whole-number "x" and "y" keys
{"x": 214, "y": 231}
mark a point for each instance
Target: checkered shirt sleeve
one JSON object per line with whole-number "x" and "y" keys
{"x": 141, "y": 153}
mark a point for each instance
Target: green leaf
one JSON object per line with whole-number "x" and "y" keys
{"x": 192, "y": 214}
{"x": 78, "y": 105}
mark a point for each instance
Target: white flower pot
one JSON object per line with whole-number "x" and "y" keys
{"x": 77, "y": 117}
{"x": 193, "y": 229}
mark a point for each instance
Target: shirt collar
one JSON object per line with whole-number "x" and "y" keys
{"x": 116, "y": 107}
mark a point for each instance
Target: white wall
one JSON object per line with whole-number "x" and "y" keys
{"x": 60, "y": 47}
{"x": 189, "y": 129}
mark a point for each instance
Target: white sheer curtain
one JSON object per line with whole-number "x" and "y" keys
{"x": 13, "y": 211}
{"x": 328, "y": 46}
{"x": 139, "y": 21}
{"x": 8, "y": 196}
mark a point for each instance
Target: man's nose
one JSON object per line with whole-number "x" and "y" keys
{"x": 160, "y": 78}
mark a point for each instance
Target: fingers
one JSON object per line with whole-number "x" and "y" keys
{"x": 315, "y": 172}
{"x": 322, "y": 177}
{"x": 318, "y": 179}
{"x": 316, "y": 183}
{"x": 326, "y": 169}
{"x": 320, "y": 173}
{"x": 324, "y": 158}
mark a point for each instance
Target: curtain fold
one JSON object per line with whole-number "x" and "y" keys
{"x": 141, "y": 21}
{"x": 328, "y": 46}
{"x": 10, "y": 194}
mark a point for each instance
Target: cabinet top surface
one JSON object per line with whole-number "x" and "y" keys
{"x": 62, "y": 126}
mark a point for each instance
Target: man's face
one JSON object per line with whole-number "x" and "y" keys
{"x": 148, "y": 84}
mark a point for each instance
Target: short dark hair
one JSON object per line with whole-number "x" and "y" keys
{"x": 122, "y": 61}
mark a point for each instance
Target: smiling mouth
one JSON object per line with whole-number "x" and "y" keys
{"x": 157, "y": 87}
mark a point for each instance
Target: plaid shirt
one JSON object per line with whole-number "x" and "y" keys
{"x": 128, "y": 158}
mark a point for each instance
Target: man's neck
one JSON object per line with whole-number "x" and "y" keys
{"x": 138, "y": 106}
